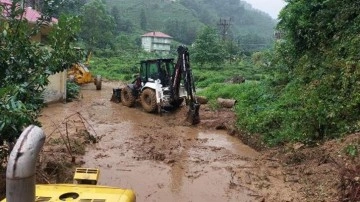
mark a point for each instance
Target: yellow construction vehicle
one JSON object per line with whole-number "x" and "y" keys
{"x": 80, "y": 73}
{"x": 20, "y": 178}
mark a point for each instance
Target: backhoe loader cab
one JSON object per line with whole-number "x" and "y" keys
{"x": 162, "y": 83}
{"x": 152, "y": 86}
{"x": 162, "y": 69}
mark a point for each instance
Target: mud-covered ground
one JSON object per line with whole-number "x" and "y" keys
{"x": 163, "y": 158}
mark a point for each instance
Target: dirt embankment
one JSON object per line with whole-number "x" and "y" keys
{"x": 329, "y": 171}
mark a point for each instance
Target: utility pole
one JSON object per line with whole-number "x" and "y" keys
{"x": 224, "y": 25}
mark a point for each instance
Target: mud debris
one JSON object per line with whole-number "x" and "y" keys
{"x": 165, "y": 159}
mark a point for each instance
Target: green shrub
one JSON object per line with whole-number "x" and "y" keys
{"x": 72, "y": 91}
{"x": 352, "y": 150}
{"x": 260, "y": 110}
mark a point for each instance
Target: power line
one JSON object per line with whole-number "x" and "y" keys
{"x": 224, "y": 25}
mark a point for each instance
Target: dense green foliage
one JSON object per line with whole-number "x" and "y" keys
{"x": 242, "y": 68}
{"x": 121, "y": 24}
{"x": 119, "y": 65}
{"x": 98, "y": 26}
{"x": 25, "y": 66}
{"x": 208, "y": 48}
{"x": 72, "y": 91}
{"x": 251, "y": 29}
{"x": 115, "y": 68}
{"x": 313, "y": 77}
{"x": 184, "y": 18}
{"x": 105, "y": 21}
{"x": 57, "y": 8}
{"x": 320, "y": 57}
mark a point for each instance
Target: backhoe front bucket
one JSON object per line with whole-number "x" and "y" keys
{"x": 193, "y": 114}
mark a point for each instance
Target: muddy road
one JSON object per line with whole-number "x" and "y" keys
{"x": 164, "y": 159}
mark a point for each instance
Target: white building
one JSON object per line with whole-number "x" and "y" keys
{"x": 156, "y": 42}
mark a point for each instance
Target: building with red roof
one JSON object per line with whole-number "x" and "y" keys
{"x": 156, "y": 42}
{"x": 32, "y": 16}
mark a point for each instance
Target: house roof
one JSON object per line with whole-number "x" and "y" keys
{"x": 6, "y": 2}
{"x": 30, "y": 14}
{"x": 156, "y": 34}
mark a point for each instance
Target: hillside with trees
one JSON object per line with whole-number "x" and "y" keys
{"x": 249, "y": 28}
{"x": 184, "y": 18}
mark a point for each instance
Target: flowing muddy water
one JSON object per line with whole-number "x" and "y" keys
{"x": 160, "y": 157}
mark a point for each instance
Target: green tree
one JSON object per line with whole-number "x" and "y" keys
{"x": 232, "y": 50}
{"x": 26, "y": 65}
{"x": 207, "y": 48}
{"x": 251, "y": 43}
{"x": 143, "y": 21}
{"x": 98, "y": 26}
{"x": 122, "y": 25}
{"x": 117, "y": 19}
{"x": 316, "y": 71}
{"x": 57, "y": 7}
{"x": 182, "y": 31}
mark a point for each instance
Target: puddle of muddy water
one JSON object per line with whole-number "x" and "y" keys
{"x": 161, "y": 162}
{"x": 199, "y": 173}
{"x": 223, "y": 140}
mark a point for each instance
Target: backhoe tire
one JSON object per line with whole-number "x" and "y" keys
{"x": 98, "y": 82}
{"x": 127, "y": 97}
{"x": 148, "y": 100}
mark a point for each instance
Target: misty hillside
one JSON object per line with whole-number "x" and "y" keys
{"x": 183, "y": 18}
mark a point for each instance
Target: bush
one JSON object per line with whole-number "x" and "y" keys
{"x": 72, "y": 91}
{"x": 260, "y": 110}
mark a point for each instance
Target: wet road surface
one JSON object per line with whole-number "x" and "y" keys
{"x": 159, "y": 157}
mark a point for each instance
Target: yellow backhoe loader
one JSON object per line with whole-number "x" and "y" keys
{"x": 80, "y": 73}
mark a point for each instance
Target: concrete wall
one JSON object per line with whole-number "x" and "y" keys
{"x": 146, "y": 43}
{"x": 56, "y": 90}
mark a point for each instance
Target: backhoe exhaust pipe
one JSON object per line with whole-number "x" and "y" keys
{"x": 20, "y": 172}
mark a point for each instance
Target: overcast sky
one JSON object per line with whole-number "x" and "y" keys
{"x": 272, "y": 7}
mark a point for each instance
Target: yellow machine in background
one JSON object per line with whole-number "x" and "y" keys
{"x": 80, "y": 74}
{"x": 21, "y": 174}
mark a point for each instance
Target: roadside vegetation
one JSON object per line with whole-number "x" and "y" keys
{"x": 72, "y": 91}
{"x": 26, "y": 65}
{"x": 310, "y": 89}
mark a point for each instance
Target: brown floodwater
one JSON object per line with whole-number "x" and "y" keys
{"x": 158, "y": 157}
